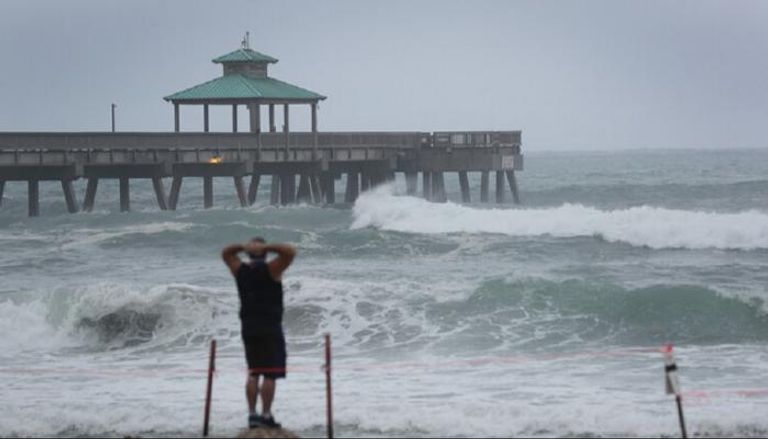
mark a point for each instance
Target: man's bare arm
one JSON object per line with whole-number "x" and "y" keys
{"x": 231, "y": 258}
{"x": 285, "y": 255}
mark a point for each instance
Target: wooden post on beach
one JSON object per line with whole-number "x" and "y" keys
{"x": 211, "y": 369}
{"x": 328, "y": 394}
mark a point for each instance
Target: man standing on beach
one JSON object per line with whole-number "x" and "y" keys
{"x": 260, "y": 287}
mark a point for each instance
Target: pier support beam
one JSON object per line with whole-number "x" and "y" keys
{"x": 2, "y": 189}
{"x": 33, "y": 197}
{"x": 484, "y": 183}
{"x": 162, "y": 200}
{"x": 69, "y": 195}
{"x": 206, "y": 125}
{"x": 253, "y": 189}
{"x": 411, "y": 183}
{"x": 173, "y": 201}
{"x": 274, "y": 190}
{"x": 513, "y": 186}
{"x": 234, "y": 118}
{"x": 427, "y": 185}
{"x": 207, "y": 192}
{"x": 90, "y": 194}
{"x": 125, "y": 194}
{"x": 242, "y": 196}
{"x": 353, "y": 190}
{"x": 438, "y": 187}
{"x": 499, "y": 186}
{"x": 464, "y": 183}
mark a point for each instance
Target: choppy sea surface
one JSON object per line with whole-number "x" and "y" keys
{"x": 543, "y": 319}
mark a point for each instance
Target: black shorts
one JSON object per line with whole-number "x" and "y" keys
{"x": 265, "y": 355}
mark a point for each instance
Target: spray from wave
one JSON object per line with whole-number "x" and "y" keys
{"x": 646, "y": 226}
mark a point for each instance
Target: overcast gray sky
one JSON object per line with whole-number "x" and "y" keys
{"x": 571, "y": 75}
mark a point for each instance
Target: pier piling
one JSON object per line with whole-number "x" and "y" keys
{"x": 274, "y": 190}
{"x": 175, "y": 190}
{"x": 328, "y": 181}
{"x": 513, "y": 186}
{"x": 125, "y": 194}
{"x": 464, "y": 183}
{"x": 242, "y": 196}
{"x": 305, "y": 194}
{"x": 162, "y": 200}
{"x": 287, "y": 188}
{"x": 253, "y": 189}
{"x": 33, "y": 195}
{"x": 411, "y": 183}
{"x": 484, "y": 183}
{"x": 316, "y": 189}
{"x": 427, "y": 185}
{"x": 438, "y": 188}
{"x": 2, "y": 189}
{"x": 207, "y": 192}
{"x": 353, "y": 188}
{"x": 69, "y": 195}
{"x": 90, "y": 194}
{"x": 499, "y": 186}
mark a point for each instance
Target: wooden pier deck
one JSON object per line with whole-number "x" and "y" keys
{"x": 302, "y": 166}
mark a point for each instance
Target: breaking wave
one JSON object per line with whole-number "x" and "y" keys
{"x": 646, "y": 226}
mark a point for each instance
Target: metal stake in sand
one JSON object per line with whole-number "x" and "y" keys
{"x": 328, "y": 395}
{"x": 673, "y": 385}
{"x": 211, "y": 369}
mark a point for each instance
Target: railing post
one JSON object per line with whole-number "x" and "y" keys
{"x": 211, "y": 369}
{"x": 328, "y": 392}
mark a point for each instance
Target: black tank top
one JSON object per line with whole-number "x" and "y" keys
{"x": 261, "y": 300}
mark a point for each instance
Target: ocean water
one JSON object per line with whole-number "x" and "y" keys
{"x": 544, "y": 319}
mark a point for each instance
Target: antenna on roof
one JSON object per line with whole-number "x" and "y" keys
{"x": 246, "y": 43}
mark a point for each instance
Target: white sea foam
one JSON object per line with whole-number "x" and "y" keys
{"x": 648, "y": 226}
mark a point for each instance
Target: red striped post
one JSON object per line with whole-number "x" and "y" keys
{"x": 328, "y": 394}
{"x": 211, "y": 369}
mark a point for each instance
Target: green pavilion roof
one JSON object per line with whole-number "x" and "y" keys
{"x": 245, "y": 55}
{"x": 244, "y": 87}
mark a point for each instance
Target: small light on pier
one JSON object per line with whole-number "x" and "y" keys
{"x": 215, "y": 160}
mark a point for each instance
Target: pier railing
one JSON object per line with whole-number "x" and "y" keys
{"x": 147, "y": 140}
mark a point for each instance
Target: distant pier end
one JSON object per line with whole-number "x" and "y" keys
{"x": 301, "y": 166}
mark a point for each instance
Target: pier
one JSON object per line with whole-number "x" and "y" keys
{"x": 302, "y": 167}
